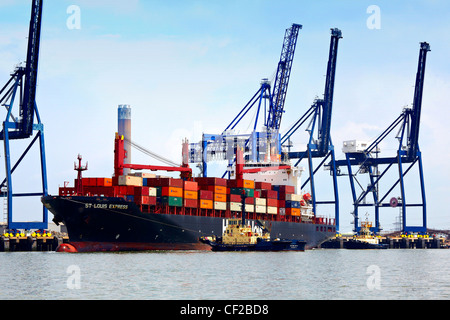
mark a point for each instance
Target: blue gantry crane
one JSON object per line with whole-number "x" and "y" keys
{"x": 367, "y": 161}
{"x": 319, "y": 145}
{"x": 20, "y": 91}
{"x": 215, "y": 145}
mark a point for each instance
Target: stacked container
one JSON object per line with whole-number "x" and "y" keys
{"x": 169, "y": 191}
{"x": 217, "y": 192}
{"x": 288, "y": 199}
{"x": 190, "y": 194}
{"x": 240, "y": 186}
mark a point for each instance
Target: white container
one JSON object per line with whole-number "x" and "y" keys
{"x": 145, "y": 175}
{"x": 260, "y": 202}
{"x": 272, "y": 210}
{"x": 282, "y": 211}
{"x": 249, "y": 208}
{"x": 260, "y": 209}
{"x": 220, "y": 205}
{"x": 152, "y": 192}
{"x": 130, "y": 181}
{"x": 293, "y": 197}
{"x": 235, "y": 206}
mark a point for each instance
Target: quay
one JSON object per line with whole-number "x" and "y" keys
{"x": 29, "y": 243}
{"x": 395, "y": 242}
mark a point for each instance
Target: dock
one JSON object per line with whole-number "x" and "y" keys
{"x": 31, "y": 243}
{"x": 396, "y": 242}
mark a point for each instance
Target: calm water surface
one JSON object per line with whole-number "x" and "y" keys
{"x": 315, "y": 274}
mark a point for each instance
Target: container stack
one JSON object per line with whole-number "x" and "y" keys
{"x": 190, "y": 194}
{"x": 169, "y": 191}
{"x": 238, "y": 187}
{"x": 217, "y": 192}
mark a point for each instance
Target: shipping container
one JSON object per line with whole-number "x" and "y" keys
{"x": 205, "y": 204}
{"x": 260, "y": 202}
{"x": 190, "y": 203}
{"x": 235, "y": 206}
{"x": 218, "y": 189}
{"x": 211, "y": 181}
{"x": 284, "y": 189}
{"x": 293, "y": 197}
{"x": 272, "y": 210}
{"x": 205, "y": 194}
{"x": 292, "y": 204}
{"x": 272, "y": 202}
{"x": 292, "y": 211}
{"x": 234, "y": 198}
{"x": 144, "y": 175}
{"x": 165, "y": 182}
{"x": 269, "y": 194}
{"x": 190, "y": 194}
{"x": 218, "y": 205}
{"x": 130, "y": 181}
{"x": 152, "y": 192}
{"x": 249, "y": 200}
{"x": 220, "y": 197}
{"x": 172, "y": 201}
{"x": 263, "y": 185}
{"x": 241, "y": 183}
{"x": 190, "y": 186}
{"x": 260, "y": 209}
{"x": 141, "y": 191}
{"x": 282, "y": 211}
{"x": 104, "y": 182}
{"x": 249, "y": 208}
{"x": 248, "y": 192}
{"x": 172, "y": 192}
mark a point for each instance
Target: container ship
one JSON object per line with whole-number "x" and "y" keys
{"x": 142, "y": 211}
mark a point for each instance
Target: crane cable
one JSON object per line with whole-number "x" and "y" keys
{"x": 152, "y": 154}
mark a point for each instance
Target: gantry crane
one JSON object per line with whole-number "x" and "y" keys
{"x": 319, "y": 145}
{"x": 21, "y": 89}
{"x": 223, "y": 146}
{"x": 367, "y": 161}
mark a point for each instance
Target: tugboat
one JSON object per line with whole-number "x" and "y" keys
{"x": 365, "y": 239}
{"x": 238, "y": 236}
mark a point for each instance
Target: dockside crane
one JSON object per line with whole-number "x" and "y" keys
{"x": 21, "y": 90}
{"x": 223, "y": 146}
{"x": 366, "y": 160}
{"x": 319, "y": 145}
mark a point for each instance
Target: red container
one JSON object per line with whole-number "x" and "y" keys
{"x": 141, "y": 191}
{"x": 152, "y": 201}
{"x": 190, "y": 203}
{"x": 257, "y": 193}
{"x": 281, "y": 204}
{"x": 269, "y": 194}
{"x": 249, "y": 200}
{"x": 287, "y": 189}
{"x": 241, "y": 183}
{"x": 272, "y": 202}
{"x": 164, "y": 182}
{"x": 263, "y": 185}
{"x": 211, "y": 181}
{"x": 206, "y": 194}
{"x": 130, "y": 190}
{"x": 190, "y": 186}
{"x": 234, "y": 198}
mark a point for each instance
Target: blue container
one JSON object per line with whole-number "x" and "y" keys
{"x": 292, "y": 204}
{"x": 144, "y": 182}
{"x": 130, "y": 198}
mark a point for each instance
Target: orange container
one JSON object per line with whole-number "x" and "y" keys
{"x": 190, "y": 194}
{"x": 205, "y": 204}
{"x": 172, "y": 192}
{"x": 218, "y": 189}
{"x": 293, "y": 211}
{"x": 218, "y": 197}
{"x": 104, "y": 182}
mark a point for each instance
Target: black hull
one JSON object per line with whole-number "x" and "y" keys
{"x": 273, "y": 246}
{"x": 355, "y": 244}
{"x": 113, "y": 224}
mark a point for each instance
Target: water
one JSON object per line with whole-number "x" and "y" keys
{"x": 315, "y": 274}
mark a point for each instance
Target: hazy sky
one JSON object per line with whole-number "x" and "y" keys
{"x": 188, "y": 67}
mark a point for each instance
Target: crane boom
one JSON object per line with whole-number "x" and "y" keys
{"x": 282, "y": 77}
{"x": 413, "y": 139}
{"x": 324, "y": 133}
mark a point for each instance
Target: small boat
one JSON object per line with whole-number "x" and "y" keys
{"x": 238, "y": 236}
{"x": 365, "y": 239}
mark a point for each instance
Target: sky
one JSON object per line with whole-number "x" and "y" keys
{"x": 188, "y": 67}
